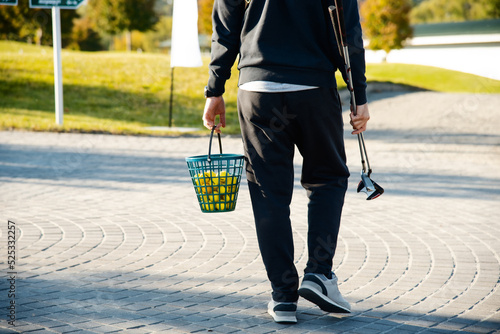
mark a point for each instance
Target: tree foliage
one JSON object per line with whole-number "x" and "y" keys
{"x": 22, "y": 23}
{"x": 93, "y": 25}
{"x": 164, "y": 7}
{"x": 149, "y": 41}
{"x": 386, "y": 23}
{"x": 433, "y": 11}
{"x": 205, "y": 16}
{"x": 84, "y": 36}
{"x": 161, "y": 32}
{"x": 116, "y": 16}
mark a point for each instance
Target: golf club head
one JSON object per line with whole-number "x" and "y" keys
{"x": 369, "y": 187}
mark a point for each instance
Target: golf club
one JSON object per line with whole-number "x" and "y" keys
{"x": 366, "y": 185}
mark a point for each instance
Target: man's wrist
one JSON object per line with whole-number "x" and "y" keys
{"x": 209, "y": 93}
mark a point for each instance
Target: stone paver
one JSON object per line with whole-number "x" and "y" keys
{"x": 111, "y": 238}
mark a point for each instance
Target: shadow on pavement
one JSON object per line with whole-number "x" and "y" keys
{"x": 432, "y": 136}
{"x": 33, "y": 163}
{"x": 435, "y": 185}
{"x": 30, "y": 162}
{"x": 112, "y": 301}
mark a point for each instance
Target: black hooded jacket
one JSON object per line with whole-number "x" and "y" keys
{"x": 286, "y": 41}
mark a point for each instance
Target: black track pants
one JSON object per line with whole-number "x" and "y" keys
{"x": 271, "y": 124}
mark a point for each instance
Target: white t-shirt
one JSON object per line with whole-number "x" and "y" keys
{"x": 273, "y": 87}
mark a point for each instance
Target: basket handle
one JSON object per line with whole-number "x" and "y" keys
{"x": 209, "y": 159}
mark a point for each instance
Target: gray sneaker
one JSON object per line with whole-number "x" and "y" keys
{"x": 283, "y": 313}
{"x": 324, "y": 292}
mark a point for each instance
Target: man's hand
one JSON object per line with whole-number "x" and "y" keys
{"x": 359, "y": 121}
{"x": 214, "y": 106}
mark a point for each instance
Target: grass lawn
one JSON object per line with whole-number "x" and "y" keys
{"x": 122, "y": 93}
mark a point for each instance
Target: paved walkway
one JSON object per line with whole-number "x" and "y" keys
{"x": 110, "y": 237}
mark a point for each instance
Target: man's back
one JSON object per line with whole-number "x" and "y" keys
{"x": 287, "y": 41}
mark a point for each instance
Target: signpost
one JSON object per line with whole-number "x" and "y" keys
{"x": 56, "y": 5}
{"x": 8, "y": 2}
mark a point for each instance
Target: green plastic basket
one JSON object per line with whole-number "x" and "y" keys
{"x": 216, "y": 178}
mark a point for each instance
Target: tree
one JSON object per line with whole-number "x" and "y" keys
{"x": 434, "y": 11}
{"x": 164, "y": 7}
{"x": 161, "y": 33}
{"x": 386, "y": 23}
{"x": 22, "y": 23}
{"x": 117, "y": 16}
{"x": 205, "y": 16}
{"x": 84, "y": 37}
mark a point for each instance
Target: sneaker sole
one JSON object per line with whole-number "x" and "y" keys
{"x": 319, "y": 299}
{"x": 282, "y": 318}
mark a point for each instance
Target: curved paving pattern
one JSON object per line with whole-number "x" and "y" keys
{"x": 110, "y": 238}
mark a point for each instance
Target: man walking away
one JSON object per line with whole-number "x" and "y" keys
{"x": 287, "y": 98}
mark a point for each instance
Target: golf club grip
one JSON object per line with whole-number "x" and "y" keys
{"x": 332, "y": 10}
{"x": 337, "y": 17}
{"x": 340, "y": 14}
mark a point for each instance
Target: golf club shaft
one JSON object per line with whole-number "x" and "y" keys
{"x": 337, "y": 18}
{"x": 361, "y": 141}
